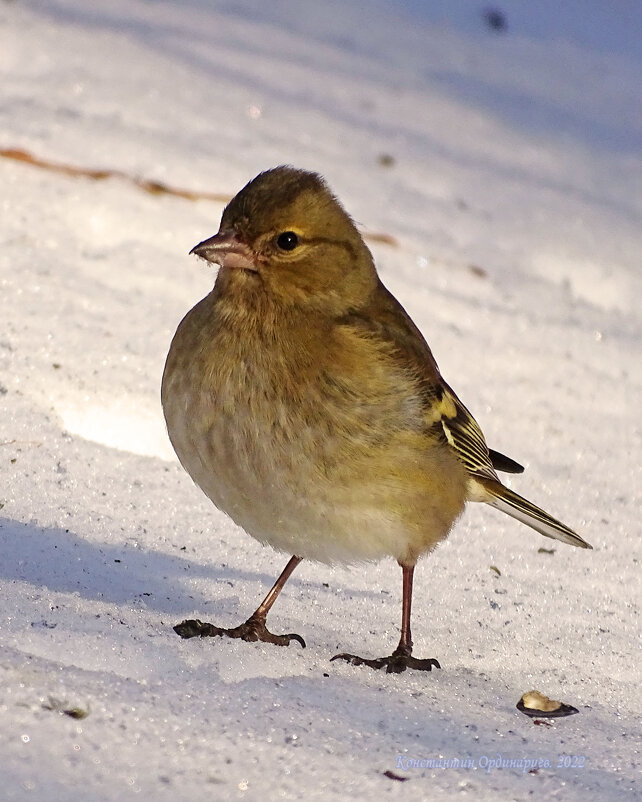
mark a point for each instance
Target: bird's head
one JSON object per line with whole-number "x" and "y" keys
{"x": 286, "y": 234}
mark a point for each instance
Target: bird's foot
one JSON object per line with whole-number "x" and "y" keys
{"x": 399, "y": 661}
{"x": 252, "y": 630}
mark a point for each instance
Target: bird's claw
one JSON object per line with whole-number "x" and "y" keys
{"x": 253, "y": 629}
{"x": 395, "y": 664}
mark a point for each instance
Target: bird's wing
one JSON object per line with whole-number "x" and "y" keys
{"x": 465, "y": 436}
{"x": 389, "y": 321}
{"x": 386, "y": 319}
{"x": 503, "y": 463}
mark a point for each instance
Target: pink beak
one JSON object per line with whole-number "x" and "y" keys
{"x": 227, "y": 250}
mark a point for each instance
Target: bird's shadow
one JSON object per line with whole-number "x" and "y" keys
{"x": 120, "y": 573}
{"x": 63, "y": 561}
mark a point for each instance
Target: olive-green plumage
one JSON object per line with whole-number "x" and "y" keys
{"x": 306, "y": 404}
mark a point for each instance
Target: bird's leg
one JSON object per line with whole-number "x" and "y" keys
{"x": 401, "y": 658}
{"x": 254, "y": 628}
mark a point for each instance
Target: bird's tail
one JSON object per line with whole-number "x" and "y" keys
{"x": 499, "y": 496}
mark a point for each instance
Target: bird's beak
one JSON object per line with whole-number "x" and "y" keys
{"x": 227, "y": 250}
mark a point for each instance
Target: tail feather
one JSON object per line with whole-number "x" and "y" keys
{"x": 499, "y": 496}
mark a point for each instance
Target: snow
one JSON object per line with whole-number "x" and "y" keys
{"x": 514, "y": 195}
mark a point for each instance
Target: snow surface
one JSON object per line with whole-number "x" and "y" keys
{"x": 515, "y": 197}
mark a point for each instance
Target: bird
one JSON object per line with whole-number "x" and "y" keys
{"x": 305, "y": 403}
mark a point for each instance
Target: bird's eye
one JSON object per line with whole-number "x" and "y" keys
{"x": 287, "y": 241}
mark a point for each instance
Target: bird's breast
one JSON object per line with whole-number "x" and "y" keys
{"x": 306, "y": 441}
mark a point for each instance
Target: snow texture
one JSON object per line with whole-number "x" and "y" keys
{"x": 507, "y": 163}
